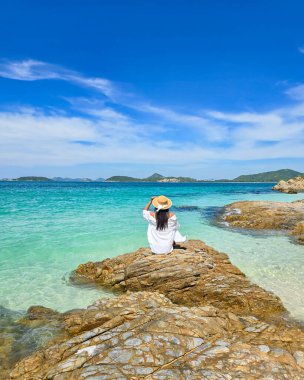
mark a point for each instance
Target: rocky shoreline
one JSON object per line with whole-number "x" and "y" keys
{"x": 292, "y": 186}
{"x": 266, "y": 215}
{"x": 187, "y": 315}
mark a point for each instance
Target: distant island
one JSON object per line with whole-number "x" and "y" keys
{"x": 153, "y": 178}
{"x": 272, "y": 176}
{"x": 32, "y": 178}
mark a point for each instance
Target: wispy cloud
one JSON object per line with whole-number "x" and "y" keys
{"x": 301, "y": 49}
{"x": 296, "y": 92}
{"x": 31, "y": 70}
{"x": 112, "y": 126}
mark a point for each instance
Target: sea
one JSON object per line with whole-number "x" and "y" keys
{"x": 48, "y": 228}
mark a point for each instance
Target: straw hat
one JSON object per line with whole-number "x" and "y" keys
{"x": 162, "y": 203}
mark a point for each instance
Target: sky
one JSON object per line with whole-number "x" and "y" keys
{"x": 201, "y": 88}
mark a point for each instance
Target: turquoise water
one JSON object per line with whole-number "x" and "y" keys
{"x": 47, "y": 229}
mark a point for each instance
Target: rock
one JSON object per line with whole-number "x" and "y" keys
{"x": 298, "y": 231}
{"x": 143, "y": 335}
{"x": 39, "y": 316}
{"x": 299, "y": 356}
{"x": 292, "y": 186}
{"x": 20, "y": 334}
{"x": 266, "y": 215}
{"x": 193, "y": 274}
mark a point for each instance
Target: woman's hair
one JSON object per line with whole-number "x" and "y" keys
{"x": 162, "y": 217}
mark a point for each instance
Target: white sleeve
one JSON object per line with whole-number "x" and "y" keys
{"x": 178, "y": 237}
{"x": 176, "y": 224}
{"x": 146, "y": 215}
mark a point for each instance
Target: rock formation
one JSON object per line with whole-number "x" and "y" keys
{"x": 266, "y": 215}
{"x": 145, "y": 336}
{"x": 193, "y": 274}
{"x": 292, "y": 186}
{"x": 191, "y": 315}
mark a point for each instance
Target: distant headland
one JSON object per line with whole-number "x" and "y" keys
{"x": 271, "y": 176}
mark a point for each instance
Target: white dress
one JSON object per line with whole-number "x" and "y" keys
{"x": 161, "y": 242}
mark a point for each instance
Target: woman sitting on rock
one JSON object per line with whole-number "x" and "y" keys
{"x": 163, "y": 226}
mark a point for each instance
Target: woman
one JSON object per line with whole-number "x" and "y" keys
{"x": 163, "y": 226}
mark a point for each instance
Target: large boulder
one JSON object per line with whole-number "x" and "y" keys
{"x": 292, "y": 186}
{"x": 266, "y": 215}
{"x": 145, "y": 336}
{"x": 194, "y": 274}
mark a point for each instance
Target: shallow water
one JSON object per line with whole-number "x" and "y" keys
{"x": 47, "y": 229}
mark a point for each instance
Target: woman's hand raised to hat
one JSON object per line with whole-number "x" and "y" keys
{"x": 150, "y": 202}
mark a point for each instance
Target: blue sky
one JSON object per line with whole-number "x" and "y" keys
{"x": 210, "y": 89}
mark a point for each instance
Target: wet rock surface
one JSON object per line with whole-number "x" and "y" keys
{"x": 292, "y": 186}
{"x": 193, "y": 274}
{"x": 267, "y": 215}
{"x": 20, "y": 335}
{"x": 143, "y": 335}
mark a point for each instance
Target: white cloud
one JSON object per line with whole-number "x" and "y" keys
{"x": 118, "y": 131}
{"x": 296, "y": 92}
{"x": 246, "y": 117}
{"x": 31, "y": 70}
{"x": 47, "y": 140}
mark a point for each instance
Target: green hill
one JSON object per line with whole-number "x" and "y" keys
{"x": 273, "y": 176}
{"x": 153, "y": 178}
{"x": 121, "y": 178}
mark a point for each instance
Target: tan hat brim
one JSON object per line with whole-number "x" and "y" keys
{"x": 156, "y": 204}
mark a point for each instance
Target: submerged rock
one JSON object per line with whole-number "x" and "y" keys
{"x": 185, "y": 208}
{"x": 40, "y": 316}
{"x": 267, "y": 215}
{"x": 193, "y": 274}
{"x": 22, "y": 334}
{"x": 292, "y": 186}
{"x": 145, "y": 336}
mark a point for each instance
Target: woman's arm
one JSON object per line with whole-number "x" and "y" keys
{"x": 149, "y": 203}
